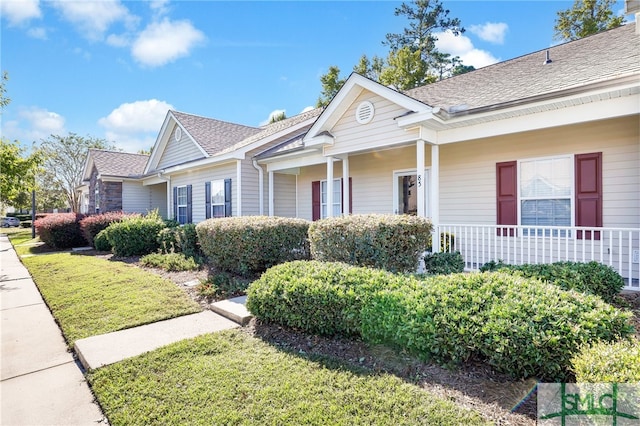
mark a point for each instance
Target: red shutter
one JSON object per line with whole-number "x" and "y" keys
{"x": 507, "y": 196}
{"x": 315, "y": 200}
{"x": 588, "y": 170}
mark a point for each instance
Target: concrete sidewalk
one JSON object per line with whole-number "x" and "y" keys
{"x": 40, "y": 383}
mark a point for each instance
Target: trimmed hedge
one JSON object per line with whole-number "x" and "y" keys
{"x": 391, "y": 242}
{"x": 250, "y": 245}
{"x": 608, "y": 362}
{"x": 92, "y": 225}
{"x": 591, "y": 278}
{"x": 520, "y": 326}
{"x": 101, "y": 242}
{"x": 61, "y": 230}
{"x": 135, "y": 235}
{"x": 181, "y": 239}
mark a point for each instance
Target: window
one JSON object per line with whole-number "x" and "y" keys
{"x": 97, "y": 197}
{"x": 557, "y": 191}
{"x": 319, "y": 198}
{"x": 337, "y": 198}
{"x": 182, "y": 206}
{"x": 217, "y": 198}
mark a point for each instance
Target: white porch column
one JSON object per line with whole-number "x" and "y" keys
{"x": 434, "y": 191}
{"x": 239, "y": 187}
{"x": 420, "y": 177}
{"x": 346, "y": 196}
{"x": 329, "y": 188}
{"x": 271, "y": 206}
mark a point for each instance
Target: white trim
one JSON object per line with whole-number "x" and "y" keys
{"x": 271, "y": 195}
{"x": 329, "y": 188}
{"x": 421, "y": 178}
{"x": 239, "y": 187}
{"x": 346, "y": 190}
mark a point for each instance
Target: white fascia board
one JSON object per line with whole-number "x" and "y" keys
{"x": 199, "y": 164}
{"x": 88, "y": 165}
{"x": 320, "y": 140}
{"x": 268, "y": 139}
{"x": 160, "y": 144}
{"x": 297, "y": 162}
{"x": 607, "y": 109}
{"x": 351, "y": 89}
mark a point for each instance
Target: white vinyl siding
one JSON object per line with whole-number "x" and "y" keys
{"x": 179, "y": 152}
{"x": 285, "y": 195}
{"x": 137, "y": 198}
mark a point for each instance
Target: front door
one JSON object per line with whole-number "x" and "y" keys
{"x": 405, "y": 192}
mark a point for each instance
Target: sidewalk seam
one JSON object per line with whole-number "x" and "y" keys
{"x": 23, "y": 306}
{"x": 39, "y": 370}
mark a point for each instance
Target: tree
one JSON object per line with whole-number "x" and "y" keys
{"x": 586, "y": 17}
{"x": 64, "y": 158}
{"x": 405, "y": 70}
{"x": 4, "y": 101}
{"x": 371, "y": 69}
{"x": 17, "y": 171}
{"x": 277, "y": 117}
{"x": 331, "y": 84}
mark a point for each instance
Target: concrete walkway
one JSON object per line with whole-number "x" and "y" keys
{"x": 40, "y": 383}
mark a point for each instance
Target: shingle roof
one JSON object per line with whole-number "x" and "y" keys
{"x": 120, "y": 164}
{"x": 273, "y": 128}
{"x": 603, "y": 56}
{"x": 214, "y": 136}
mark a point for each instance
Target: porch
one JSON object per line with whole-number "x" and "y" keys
{"x": 479, "y": 244}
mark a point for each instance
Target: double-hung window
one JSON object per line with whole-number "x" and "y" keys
{"x": 217, "y": 198}
{"x": 182, "y": 205}
{"x": 337, "y": 198}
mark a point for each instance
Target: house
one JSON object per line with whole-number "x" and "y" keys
{"x": 111, "y": 182}
{"x": 531, "y": 160}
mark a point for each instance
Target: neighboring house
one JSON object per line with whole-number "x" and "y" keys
{"x": 111, "y": 181}
{"x": 534, "y": 159}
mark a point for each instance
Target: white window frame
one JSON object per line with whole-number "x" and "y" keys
{"x": 337, "y": 198}
{"x": 571, "y": 196}
{"x": 179, "y": 206}
{"x": 213, "y": 184}
{"x": 426, "y": 184}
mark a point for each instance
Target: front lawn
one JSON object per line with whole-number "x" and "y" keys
{"x": 232, "y": 378}
{"x": 90, "y": 295}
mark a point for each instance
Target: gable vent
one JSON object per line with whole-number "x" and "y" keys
{"x": 365, "y": 112}
{"x": 178, "y": 134}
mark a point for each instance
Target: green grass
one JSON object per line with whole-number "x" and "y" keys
{"x": 90, "y": 296}
{"x": 233, "y": 379}
{"x": 23, "y": 243}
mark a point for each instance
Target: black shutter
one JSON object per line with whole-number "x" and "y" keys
{"x": 189, "y": 205}
{"x": 227, "y": 197}
{"x": 175, "y": 203}
{"x": 207, "y": 199}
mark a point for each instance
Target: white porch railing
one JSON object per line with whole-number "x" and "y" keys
{"x": 478, "y": 244}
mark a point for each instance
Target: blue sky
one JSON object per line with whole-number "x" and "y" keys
{"x": 112, "y": 69}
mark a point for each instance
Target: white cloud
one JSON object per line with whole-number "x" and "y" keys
{"x": 272, "y": 115}
{"x": 37, "y": 32}
{"x": 165, "y": 41}
{"x": 32, "y": 124}
{"x": 93, "y": 18}
{"x": 492, "y": 32}
{"x": 133, "y": 126}
{"x": 463, "y": 47}
{"x": 20, "y": 11}
{"x": 159, "y": 7}
{"x": 307, "y": 109}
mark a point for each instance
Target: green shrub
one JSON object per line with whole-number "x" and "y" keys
{"x": 61, "y": 230}
{"x": 443, "y": 263}
{"x": 317, "y": 297}
{"x": 520, "y": 326}
{"x": 169, "y": 262}
{"x": 591, "y": 278}
{"x": 250, "y": 245}
{"x": 136, "y": 235}
{"x": 168, "y": 240}
{"x": 222, "y": 285}
{"x": 447, "y": 242}
{"x": 608, "y": 362}
{"x": 92, "y": 225}
{"x": 391, "y": 242}
{"x": 101, "y": 241}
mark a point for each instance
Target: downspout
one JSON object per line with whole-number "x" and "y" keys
{"x": 260, "y": 186}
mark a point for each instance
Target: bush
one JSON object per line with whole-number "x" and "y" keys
{"x": 608, "y": 362}
{"x": 135, "y": 235}
{"x": 391, "y": 242}
{"x": 443, "y": 263}
{"x": 520, "y": 326}
{"x": 320, "y": 298}
{"x": 169, "y": 262}
{"x": 591, "y": 278}
{"x": 101, "y": 241}
{"x": 250, "y": 245}
{"x": 61, "y": 230}
{"x": 447, "y": 242}
{"x": 92, "y": 225}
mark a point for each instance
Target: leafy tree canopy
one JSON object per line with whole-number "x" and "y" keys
{"x": 584, "y": 18}
{"x": 17, "y": 171}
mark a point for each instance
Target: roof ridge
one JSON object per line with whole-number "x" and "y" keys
{"x": 213, "y": 119}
